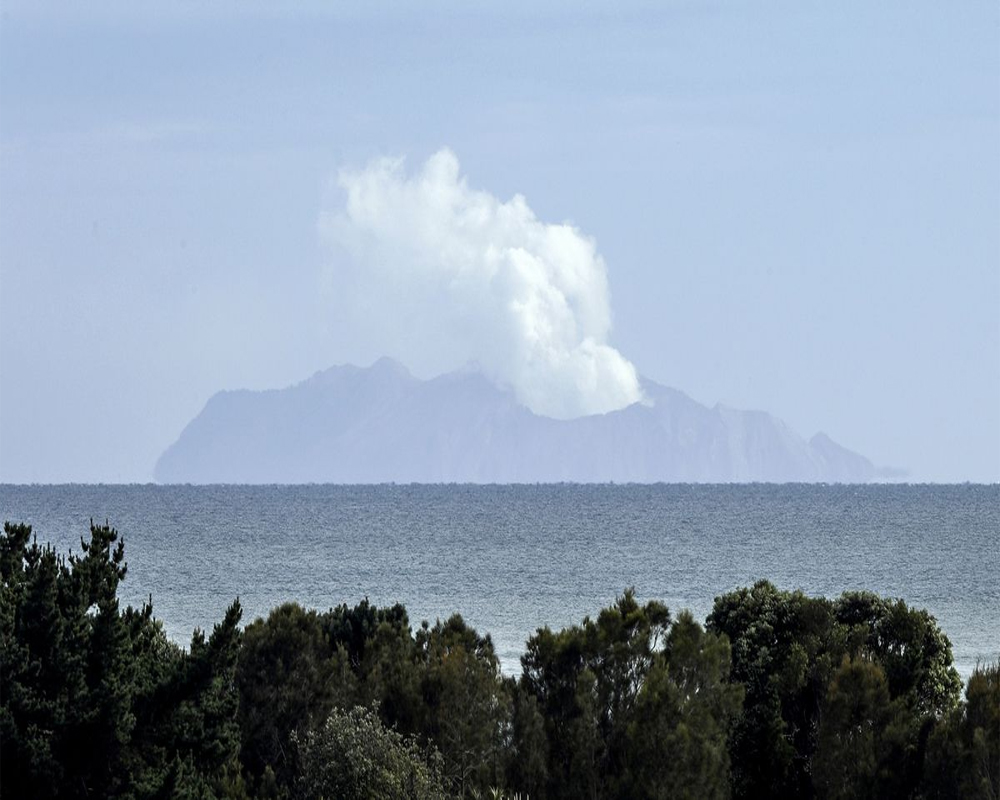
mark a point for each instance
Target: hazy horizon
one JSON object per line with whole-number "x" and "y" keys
{"x": 789, "y": 209}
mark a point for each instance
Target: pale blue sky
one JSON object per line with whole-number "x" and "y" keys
{"x": 798, "y": 203}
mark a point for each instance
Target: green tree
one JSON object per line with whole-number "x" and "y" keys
{"x": 585, "y": 680}
{"x": 785, "y": 649}
{"x": 96, "y": 702}
{"x": 684, "y": 712}
{"x": 963, "y": 753}
{"x": 66, "y": 669}
{"x": 37, "y": 673}
{"x": 288, "y": 677}
{"x": 466, "y": 704}
{"x": 378, "y": 645}
{"x": 528, "y": 749}
{"x": 866, "y": 740}
{"x": 201, "y": 720}
{"x": 352, "y": 756}
{"x": 909, "y": 646}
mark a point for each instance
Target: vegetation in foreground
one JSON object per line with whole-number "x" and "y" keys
{"x": 777, "y": 695}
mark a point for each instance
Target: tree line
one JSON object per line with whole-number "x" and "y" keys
{"x": 776, "y": 695}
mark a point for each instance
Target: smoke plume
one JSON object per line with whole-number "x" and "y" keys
{"x": 438, "y": 275}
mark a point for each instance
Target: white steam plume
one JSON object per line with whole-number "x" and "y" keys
{"x": 439, "y": 275}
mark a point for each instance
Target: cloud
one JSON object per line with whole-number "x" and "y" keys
{"x": 438, "y": 275}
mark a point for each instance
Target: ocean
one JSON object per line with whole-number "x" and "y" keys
{"x": 514, "y": 558}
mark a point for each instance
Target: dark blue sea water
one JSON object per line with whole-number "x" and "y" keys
{"x": 513, "y": 558}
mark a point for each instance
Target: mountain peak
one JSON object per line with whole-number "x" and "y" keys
{"x": 350, "y": 424}
{"x": 385, "y": 364}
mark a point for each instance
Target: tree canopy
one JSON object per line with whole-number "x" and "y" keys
{"x": 779, "y": 694}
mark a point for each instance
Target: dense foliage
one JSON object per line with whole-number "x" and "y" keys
{"x": 353, "y": 756}
{"x": 779, "y": 694}
{"x": 96, "y": 701}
